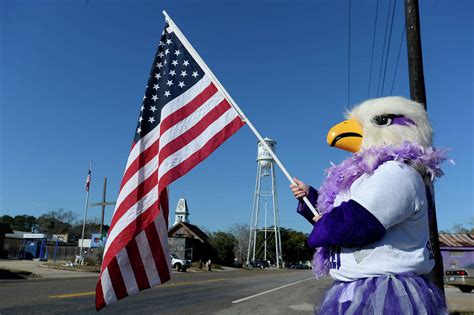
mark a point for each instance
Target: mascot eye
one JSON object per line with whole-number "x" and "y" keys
{"x": 382, "y": 120}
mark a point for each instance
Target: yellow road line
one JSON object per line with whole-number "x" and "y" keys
{"x": 70, "y": 295}
{"x": 65, "y": 296}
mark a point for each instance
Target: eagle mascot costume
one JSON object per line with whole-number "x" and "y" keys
{"x": 373, "y": 235}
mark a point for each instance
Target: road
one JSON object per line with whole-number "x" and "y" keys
{"x": 459, "y": 301}
{"x": 227, "y": 292}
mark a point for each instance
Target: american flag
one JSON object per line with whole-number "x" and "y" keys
{"x": 88, "y": 180}
{"x": 183, "y": 119}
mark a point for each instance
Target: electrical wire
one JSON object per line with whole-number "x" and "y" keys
{"x": 383, "y": 50}
{"x": 398, "y": 58}
{"x": 349, "y": 60}
{"x": 373, "y": 45}
{"x": 388, "y": 49}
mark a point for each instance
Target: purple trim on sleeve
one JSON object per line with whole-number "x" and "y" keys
{"x": 347, "y": 225}
{"x": 303, "y": 208}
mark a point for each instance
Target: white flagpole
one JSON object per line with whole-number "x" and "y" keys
{"x": 231, "y": 101}
{"x": 86, "y": 206}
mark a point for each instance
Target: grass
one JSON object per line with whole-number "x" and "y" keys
{"x": 60, "y": 265}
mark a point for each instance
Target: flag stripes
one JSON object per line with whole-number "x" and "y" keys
{"x": 88, "y": 180}
{"x": 170, "y": 140}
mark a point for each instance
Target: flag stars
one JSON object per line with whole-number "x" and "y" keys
{"x": 169, "y": 83}
{"x": 195, "y": 74}
{"x": 183, "y": 73}
{"x": 186, "y": 63}
{"x": 167, "y": 93}
{"x": 169, "y": 41}
{"x": 177, "y": 52}
{"x": 156, "y": 86}
{"x": 158, "y": 76}
{"x": 142, "y": 108}
{"x": 154, "y": 98}
{"x": 159, "y": 65}
{"x": 144, "y": 97}
{"x": 153, "y": 108}
{"x": 139, "y": 130}
{"x": 175, "y": 63}
{"x": 161, "y": 54}
{"x": 162, "y": 43}
{"x": 181, "y": 84}
{"x": 140, "y": 119}
{"x": 151, "y": 119}
{"x": 167, "y": 51}
{"x": 172, "y": 73}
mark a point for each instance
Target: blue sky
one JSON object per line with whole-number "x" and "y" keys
{"x": 73, "y": 75}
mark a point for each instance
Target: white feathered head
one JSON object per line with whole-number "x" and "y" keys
{"x": 382, "y": 121}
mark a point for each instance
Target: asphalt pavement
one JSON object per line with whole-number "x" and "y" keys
{"x": 459, "y": 301}
{"x": 234, "y": 292}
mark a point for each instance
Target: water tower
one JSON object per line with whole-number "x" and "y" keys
{"x": 265, "y": 240}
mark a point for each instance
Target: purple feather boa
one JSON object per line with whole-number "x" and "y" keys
{"x": 341, "y": 177}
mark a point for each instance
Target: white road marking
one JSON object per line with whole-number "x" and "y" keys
{"x": 268, "y": 291}
{"x": 305, "y": 307}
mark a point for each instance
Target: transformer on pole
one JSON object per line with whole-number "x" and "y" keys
{"x": 265, "y": 239}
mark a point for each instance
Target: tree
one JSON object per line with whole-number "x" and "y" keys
{"x": 75, "y": 232}
{"x": 26, "y": 223}
{"x": 241, "y": 235}
{"x": 294, "y": 246}
{"x": 467, "y": 227}
{"x": 7, "y": 219}
{"x": 224, "y": 245}
{"x": 56, "y": 222}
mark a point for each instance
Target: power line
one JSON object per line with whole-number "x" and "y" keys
{"x": 349, "y": 60}
{"x": 398, "y": 58}
{"x": 388, "y": 49}
{"x": 373, "y": 44}
{"x": 383, "y": 50}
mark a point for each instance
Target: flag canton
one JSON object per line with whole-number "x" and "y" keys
{"x": 173, "y": 72}
{"x": 88, "y": 180}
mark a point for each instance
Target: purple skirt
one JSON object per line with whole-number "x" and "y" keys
{"x": 390, "y": 294}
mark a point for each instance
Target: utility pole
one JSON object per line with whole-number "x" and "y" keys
{"x": 418, "y": 94}
{"x": 103, "y": 204}
{"x": 103, "y": 207}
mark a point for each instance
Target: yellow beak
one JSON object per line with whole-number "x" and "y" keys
{"x": 346, "y": 135}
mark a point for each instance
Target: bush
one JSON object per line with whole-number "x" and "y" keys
{"x": 94, "y": 258}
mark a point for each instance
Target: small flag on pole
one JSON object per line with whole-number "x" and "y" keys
{"x": 88, "y": 180}
{"x": 183, "y": 118}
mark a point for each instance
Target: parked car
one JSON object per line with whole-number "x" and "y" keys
{"x": 179, "y": 264}
{"x": 259, "y": 264}
{"x": 463, "y": 278}
{"x": 302, "y": 266}
{"x": 238, "y": 264}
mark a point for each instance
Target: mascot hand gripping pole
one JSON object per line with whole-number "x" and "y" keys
{"x": 373, "y": 236}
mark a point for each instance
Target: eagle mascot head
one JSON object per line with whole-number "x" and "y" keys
{"x": 387, "y": 121}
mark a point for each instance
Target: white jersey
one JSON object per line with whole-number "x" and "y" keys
{"x": 395, "y": 194}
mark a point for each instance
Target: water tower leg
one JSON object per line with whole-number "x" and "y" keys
{"x": 252, "y": 224}
{"x": 276, "y": 226}
{"x": 257, "y": 208}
